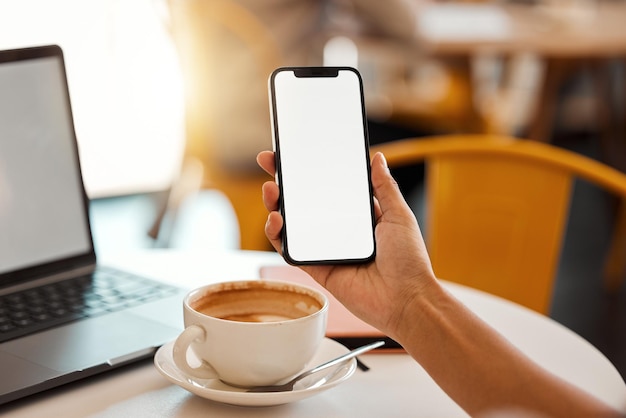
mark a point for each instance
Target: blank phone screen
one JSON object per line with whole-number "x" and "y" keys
{"x": 323, "y": 165}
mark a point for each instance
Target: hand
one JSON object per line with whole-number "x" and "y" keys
{"x": 399, "y": 294}
{"x": 376, "y": 292}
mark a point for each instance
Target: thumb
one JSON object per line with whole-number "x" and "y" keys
{"x": 386, "y": 190}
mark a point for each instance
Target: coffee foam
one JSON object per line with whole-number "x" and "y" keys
{"x": 257, "y": 302}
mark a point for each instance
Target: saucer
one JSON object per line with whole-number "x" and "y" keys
{"x": 216, "y": 390}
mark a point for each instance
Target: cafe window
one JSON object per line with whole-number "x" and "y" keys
{"x": 124, "y": 83}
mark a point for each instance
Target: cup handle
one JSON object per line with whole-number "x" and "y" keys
{"x": 181, "y": 346}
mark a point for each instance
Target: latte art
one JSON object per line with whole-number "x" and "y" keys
{"x": 258, "y": 303}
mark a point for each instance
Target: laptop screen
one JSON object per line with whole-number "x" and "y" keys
{"x": 43, "y": 214}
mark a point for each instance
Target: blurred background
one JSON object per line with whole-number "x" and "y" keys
{"x": 170, "y": 104}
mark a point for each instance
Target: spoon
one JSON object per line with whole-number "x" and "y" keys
{"x": 287, "y": 387}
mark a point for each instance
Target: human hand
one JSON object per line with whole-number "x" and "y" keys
{"x": 399, "y": 294}
{"x": 378, "y": 291}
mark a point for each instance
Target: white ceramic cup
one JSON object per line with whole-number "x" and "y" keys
{"x": 251, "y": 333}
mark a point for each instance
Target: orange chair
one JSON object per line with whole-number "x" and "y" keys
{"x": 496, "y": 210}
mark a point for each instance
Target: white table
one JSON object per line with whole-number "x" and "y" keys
{"x": 395, "y": 386}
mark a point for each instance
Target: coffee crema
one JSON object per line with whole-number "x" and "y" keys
{"x": 257, "y": 302}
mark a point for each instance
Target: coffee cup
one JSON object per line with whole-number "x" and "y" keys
{"x": 250, "y": 333}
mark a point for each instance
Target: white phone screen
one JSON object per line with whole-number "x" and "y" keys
{"x": 320, "y": 140}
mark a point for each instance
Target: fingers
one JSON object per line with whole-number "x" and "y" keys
{"x": 270, "y": 195}
{"x": 273, "y": 228}
{"x": 274, "y": 223}
{"x": 386, "y": 189}
{"x": 266, "y": 161}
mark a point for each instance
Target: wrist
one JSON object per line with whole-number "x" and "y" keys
{"x": 417, "y": 311}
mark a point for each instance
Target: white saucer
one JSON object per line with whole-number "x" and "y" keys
{"x": 216, "y": 390}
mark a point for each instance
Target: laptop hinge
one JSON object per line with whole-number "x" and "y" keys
{"x": 49, "y": 278}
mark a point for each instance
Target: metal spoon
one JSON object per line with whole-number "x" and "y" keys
{"x": 287, "y": 387}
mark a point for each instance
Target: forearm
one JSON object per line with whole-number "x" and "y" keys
{"x": 479, "y": 368}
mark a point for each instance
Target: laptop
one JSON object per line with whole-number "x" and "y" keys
{"x": 63, "y": 317}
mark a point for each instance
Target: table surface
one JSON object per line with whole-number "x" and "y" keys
{"x": 394, "y": 386}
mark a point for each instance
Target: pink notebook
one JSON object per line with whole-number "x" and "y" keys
{"x": 342, "y": 326}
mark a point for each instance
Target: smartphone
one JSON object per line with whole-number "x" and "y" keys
{"x": 321, "y": 148}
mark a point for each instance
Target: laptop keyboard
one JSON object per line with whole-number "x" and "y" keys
{"x": 104, "y": 291}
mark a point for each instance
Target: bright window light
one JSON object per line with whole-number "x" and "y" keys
{"x": 124, "y": 81}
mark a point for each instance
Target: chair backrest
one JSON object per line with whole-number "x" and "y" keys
{"x": 496, "y": 209}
